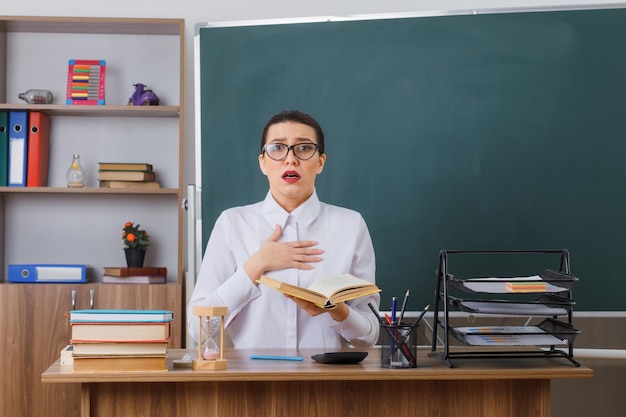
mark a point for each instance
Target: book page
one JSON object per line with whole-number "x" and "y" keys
{"x": 331, "y": 285}
{"x": 294, "y": 290}
{"x": 325, "y": 292}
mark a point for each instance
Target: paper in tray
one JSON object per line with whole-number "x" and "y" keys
{"x": 514, "y": 340}
{"x": 554, "y": 282}
{"x": 548, "y": 333}
{"x": 545, "y": 305}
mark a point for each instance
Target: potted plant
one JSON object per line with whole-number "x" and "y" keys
{"x": 136, "y": 241}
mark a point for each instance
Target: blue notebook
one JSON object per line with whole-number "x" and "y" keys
{"x": 4, "y": 148}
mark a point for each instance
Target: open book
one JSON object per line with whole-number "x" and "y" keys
{"x": 325, "y": 292}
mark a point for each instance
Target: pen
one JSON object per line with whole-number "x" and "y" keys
{"x": 393, "y": 309}
{"x": 394, "y": 334}
{"x": 277, "y": 357}
{"x": 406, "y": 297}
{"x": 417, "y": 320}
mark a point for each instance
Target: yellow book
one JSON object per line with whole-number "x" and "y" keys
{"x": 325, "y": 292}
{"x": 119, "y": 349}
{"x": 129, "y": 184}
{"x": 124, "y": 166}
{"x": 120, "y": 332}
{"x": 126, "y": 176}
{"x": 120, "y": 363}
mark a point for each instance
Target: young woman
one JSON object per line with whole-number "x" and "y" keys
{"x": 293, "y": 237}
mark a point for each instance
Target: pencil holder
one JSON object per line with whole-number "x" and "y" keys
{"x": 398, "y": 346}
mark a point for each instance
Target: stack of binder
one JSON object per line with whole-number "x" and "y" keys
{"x": 24, "y": 148}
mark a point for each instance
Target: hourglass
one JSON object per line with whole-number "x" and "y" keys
{"x": 210, "y": 356}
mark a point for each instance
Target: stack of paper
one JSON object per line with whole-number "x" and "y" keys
{"x": 508, "y": 336}
{"x": 499, "y": 285}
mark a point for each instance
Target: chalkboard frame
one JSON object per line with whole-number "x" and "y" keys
{"x": 596, "y": 267}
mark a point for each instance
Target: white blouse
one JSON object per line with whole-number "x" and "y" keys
{"x": 260, "y": 317}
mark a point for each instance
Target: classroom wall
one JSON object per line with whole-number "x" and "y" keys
{"x": 603, "y": 387}
{"x": 194, "y": 12}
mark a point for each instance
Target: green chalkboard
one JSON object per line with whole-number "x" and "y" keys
{"x": 473, "y": 132}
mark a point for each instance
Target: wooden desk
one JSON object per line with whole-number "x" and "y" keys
{"x": 489, "y": 387}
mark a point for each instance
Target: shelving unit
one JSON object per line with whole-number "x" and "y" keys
{"x": 35, "y": 52}
{"x": 56, "y": 224}
{"x": 546, "y": 296}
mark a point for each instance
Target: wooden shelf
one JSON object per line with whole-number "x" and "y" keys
{"x": 97, "y": 111}
{"x": 124, "y": 26}
{"x": 57, "y": 224}
{"x": 120, "y": 132}
{"x": 88, "y": 190}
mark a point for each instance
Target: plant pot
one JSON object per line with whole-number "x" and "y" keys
{"x": 135, "y": 257}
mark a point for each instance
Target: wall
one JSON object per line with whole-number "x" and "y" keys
{"x": 194, "y": 12}
{"x": 210, "y": 10}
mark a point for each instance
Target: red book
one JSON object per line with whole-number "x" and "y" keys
{"x": 122, "y": 271}
{"x": 38, "y": 149}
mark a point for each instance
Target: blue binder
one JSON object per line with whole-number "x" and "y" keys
{"x": 18, "y": 148}
{"x": 4, "y": 148}
{"x": 51, "y": 273}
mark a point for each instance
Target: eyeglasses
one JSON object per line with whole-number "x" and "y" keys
{"x": 279, "y": 151}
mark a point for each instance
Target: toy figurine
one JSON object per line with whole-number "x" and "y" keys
{"x": 143, "y": 96}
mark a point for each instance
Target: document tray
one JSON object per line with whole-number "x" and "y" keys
{"x": 549, "y": 332}
{"x": 545, "y": 305}
{"x": 555, "y": 282}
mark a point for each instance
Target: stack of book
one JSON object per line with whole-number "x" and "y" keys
{"x": 126, "y": 175}
{"x": 120, "y": 340}
{"x": 127, "y": 275}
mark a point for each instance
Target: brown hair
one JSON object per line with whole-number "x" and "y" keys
{"x": 298, "y": 117}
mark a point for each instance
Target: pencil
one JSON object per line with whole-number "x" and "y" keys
{"x": 406, "y": 297}
{"x": 417, "y": 320}
{"x": 376, "y": 313}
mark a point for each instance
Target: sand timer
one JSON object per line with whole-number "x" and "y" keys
{"x": 210, "y": 327}
{"x": 210, "y": 333}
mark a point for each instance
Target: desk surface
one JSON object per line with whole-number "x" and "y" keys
{"x": 241, "y": 368}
